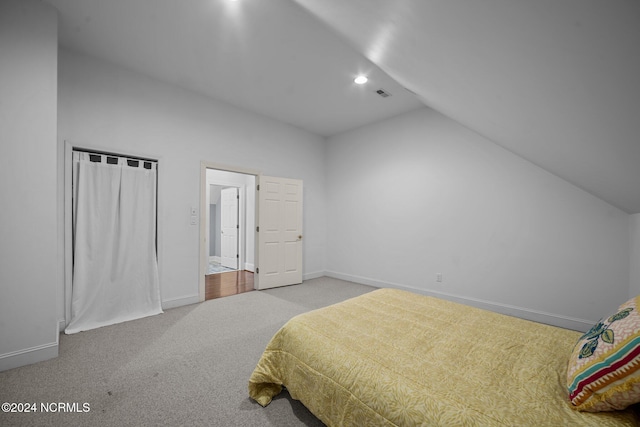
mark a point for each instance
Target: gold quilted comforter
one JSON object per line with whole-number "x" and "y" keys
{"x": 394, "y": 358}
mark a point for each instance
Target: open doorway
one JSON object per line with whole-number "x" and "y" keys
{"x": 276, "y": 216}
{"x": 229, "y": 236}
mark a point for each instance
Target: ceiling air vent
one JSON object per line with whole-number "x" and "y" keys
{"x": 382, "y": 93}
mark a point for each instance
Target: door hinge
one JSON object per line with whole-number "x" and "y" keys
{"x": 237, "y": 225}
{"x": 258, "y": 187}
{"x": 258, "y": 270}
{"x": 237, "y": 255}
{"x": 257, "y": 229}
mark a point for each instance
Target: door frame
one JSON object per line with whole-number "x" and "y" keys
{"x": 204, "y": 252}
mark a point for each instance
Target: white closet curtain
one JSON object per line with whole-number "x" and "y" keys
{"x": 115, "y": 272}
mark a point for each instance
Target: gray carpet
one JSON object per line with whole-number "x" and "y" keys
{"x": 188, "y": 366}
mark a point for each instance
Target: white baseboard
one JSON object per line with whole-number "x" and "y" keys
{"x": 314, "y": 275}
{"x": 179, "y": 302}
{"x": 561, "y": 321}
{"x": 250, "y": 267}
{"x": 62, "y": 324}
{"x": 28, "y": 356}
{"x": 215, "y": 259}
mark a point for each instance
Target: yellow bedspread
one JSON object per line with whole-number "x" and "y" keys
{"x": 392, "y": 357}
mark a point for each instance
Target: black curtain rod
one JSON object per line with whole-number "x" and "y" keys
{"x": 84, "y": 150}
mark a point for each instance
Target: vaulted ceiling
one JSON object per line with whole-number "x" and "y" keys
{"x": 554, "y": 81}
{"x": 268, "y": 56}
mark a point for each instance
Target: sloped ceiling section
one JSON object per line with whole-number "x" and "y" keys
{"x": 267, "y": 56}
{"x": 554, "y": 81}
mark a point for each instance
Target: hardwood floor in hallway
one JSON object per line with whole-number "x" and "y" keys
{"x": 225, "y": 284}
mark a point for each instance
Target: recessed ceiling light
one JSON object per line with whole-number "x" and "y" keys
{"x": 360, "y": 80}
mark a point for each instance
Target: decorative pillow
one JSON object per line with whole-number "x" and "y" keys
{"x": 604, "y": 368}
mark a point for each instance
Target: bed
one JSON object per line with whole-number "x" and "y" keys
{"x": 395, "y": 358}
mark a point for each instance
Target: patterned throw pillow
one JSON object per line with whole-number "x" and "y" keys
{"x": 604, "y": 368}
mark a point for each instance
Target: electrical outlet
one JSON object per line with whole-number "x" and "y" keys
{"x": 438, "y": 277}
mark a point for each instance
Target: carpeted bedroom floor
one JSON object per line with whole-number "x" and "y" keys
{"x": 188, "y": 366}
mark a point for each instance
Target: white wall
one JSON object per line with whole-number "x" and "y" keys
{"x": 102, "y": 105}
{"x": 420, "y": 194}
{"x": 634, "y": 255}
{"x": 28, "y": 226}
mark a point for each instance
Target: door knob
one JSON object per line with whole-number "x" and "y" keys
{"x": 300, "y": 237}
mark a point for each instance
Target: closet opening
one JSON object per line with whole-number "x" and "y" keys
{"x": 111, "y": 238}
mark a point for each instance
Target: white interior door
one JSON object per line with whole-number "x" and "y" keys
{"x": 279, "y": 232}
{"x": 229, "y": 227}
